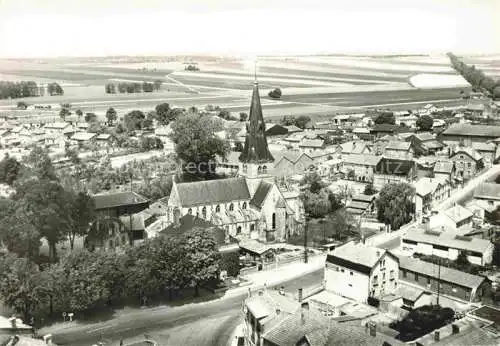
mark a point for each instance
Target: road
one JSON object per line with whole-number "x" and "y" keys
{"x": 208, "y": 323}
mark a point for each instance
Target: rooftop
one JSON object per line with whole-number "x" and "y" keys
{"x": 425, "y": 186}
{"x": 83, "y": 136}
{"x": 312, "y": 143}
{"x": 356, "y": 256}
{"x": 362, "y": 159}
{"x": 458, "y": 213}
{"x": 487, "y": 191}
{"x": 395, "y": 166}
{"x": 448, "y": 239}
{"x": 398, "y": 145}
{"x": 112, "y": 200}
{"x": 447, "y": 274}
{"x": 468, "y": 151}
{"x": 444, "y": 167}
{"x": 260, "y": 194}
{"x": 472, "y": 130}
{"x": 212, "y": 191}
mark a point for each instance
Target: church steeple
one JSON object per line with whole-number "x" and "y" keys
{"x": 256, "y": 149}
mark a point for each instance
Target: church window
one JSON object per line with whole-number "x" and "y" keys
{"x": 264, "y": 169}
{"x": 238, "y": 230}
{"x": 190, "y": 211}
{"x": 244, "y": 205}
{"x": 259, "y": 170}
{"x": 217, "y": 209}
{"x": 204, "y": 212}
{"x": 231, "y": 207}
{"x": 274, "y": 220}
{"x": 252, "y": 227}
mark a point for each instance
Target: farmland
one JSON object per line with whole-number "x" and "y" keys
{"x": 310, "y": 84}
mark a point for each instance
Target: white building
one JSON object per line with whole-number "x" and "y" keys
{"x": 448, "y": 244}
{"x": 428, "y": 192}
{"x": 455, "y": 218}
{"x": 357, "y": 271}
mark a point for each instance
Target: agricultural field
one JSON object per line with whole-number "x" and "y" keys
{"x": 310, "y": 84}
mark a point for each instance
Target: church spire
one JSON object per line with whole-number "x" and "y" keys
{"x": 256, "y": 149}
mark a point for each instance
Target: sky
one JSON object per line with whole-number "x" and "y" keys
{"x": 51, "y": 28}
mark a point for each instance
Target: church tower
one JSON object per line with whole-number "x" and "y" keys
{"x": 256, "y": 161}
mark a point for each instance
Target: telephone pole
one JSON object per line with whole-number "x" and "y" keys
{"x": 439, "y": 280}
{"x": 305, "y": 241}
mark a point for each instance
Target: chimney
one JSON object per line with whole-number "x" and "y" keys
{"x": 13, "y": 322}
{"x": 373, "y": 329}
{"x": 300, "y": 295}
{"x": 436, "y": 335}
{"x": 261, "y": 292}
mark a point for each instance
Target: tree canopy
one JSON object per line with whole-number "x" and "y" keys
{"x": 425, "y": 122}
{"x": 395, "y": 205}
{"x": 197, "y": 145}
{"x": 385, "y": 118}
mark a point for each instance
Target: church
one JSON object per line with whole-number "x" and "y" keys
{"x": 250, "y": 206}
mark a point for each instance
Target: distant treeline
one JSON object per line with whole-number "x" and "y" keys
{"x": 476, "y": 77}
{"x": 14, "y": 90}
{"x": 134, "y": 87}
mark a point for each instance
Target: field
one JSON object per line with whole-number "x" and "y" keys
{"x": 312, "y": 85}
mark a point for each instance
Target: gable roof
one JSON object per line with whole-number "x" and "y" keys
{"x": 469, "y": 130}
{"x": 481, "y": 146}
{"x": 398, "y": 145}
{"x": 425, "y": 186}
{"x": 468, "y": 151}
{"x": 449, "y": 239}
{"x": 57, "y": 125}
{"x": 384, "y": 128}
{"x": 83, "y": 136}
{"x": 293, "y": 128}
{"x": 487, "y": 191}
{"x": 111, "y": 200}
{"x": 353, "y": 147}
{"x": 292, "y": 156}
{"x": 260, "y": 194}
{"x": 312, "y": 143}
{"x": 447, "y": 274}
{"x": 212, "y": 191}
{"x": 362, "y": 159}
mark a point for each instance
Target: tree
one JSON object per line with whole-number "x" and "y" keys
{"x": 133, "y": 120}
{"x": 496, "y": 92}
{"x": 163, "y": 115}
{"x": 90, "y": 117}
{"x": 197, "y": 145}
{"x": 422, "y": 321}
{"x": 151, "y": 143}
{"x": 64, "y": 113}
{"x": 395, "y": 205}
{"x": 288, "y": 120}
{"x": 425, "y": 122}
{"x": 158, "y": 84}
{"x": 243, "y": 116}
{"x": 351, "y": 175}
{"x": 385, "y": 118}
{"x": 302, "y": 121}
{"x": 38, "y": 163}
{"x": 19, "y": 284}
{"x": 275, "y": 93}
{"x": 19, "y": 235}
{"x": 22, "y": 105}
{"x": 79, "y": 113}
{"x": 370, "y": 189}
{"x": 9, "y": 170}
{"x": 111, "y": 116}
{"x": 224, "y": 114}
{"x": 82, "y": 212}
{"x": 316, "y": 205}
{"x": 201, "y": 258}
{"x": 335, "y": 200}
{"x": 342, "y": 223}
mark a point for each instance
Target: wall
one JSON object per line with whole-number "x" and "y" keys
{"x": 384, "y": 277}
{"x": 465, "y": 166}
{"x": 380, "y": 180}
{"x": 340, "y": 281}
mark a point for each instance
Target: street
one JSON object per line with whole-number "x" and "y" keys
{"x": 208, "y": 323}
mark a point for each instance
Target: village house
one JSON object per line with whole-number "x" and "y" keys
{"x": 309, "y": 145}
{"x": 467, "y": 161}
{"x": 104, "y": 140}
{"x": 444, "y": 169}
{"x": 489, "y": 151}
{"x": 59, "y": 128}
{"x": 360, "y": 167}
{"x": 389, "y": 170}
{"x": 425, "y": 143}
{"x": 407, "y": 120}
{"x": 448, "y": 244}
{"x": 452, "y": 282}
{"x": 275, "y": 130}
{"x": 353, "y": 147}
{"x": 250, "y": 206}
{"x": 358, "y": 272}
{"x": 456, "y": 218}
{"x": 486, "y": 200}
{"x": 429, "y": 191}
{"x": 380, "y": 130}
{"x": 468, "y": 134}
{"x": 330, "y": 168}
{"x": 289, "y": 163}
{"x": 80, "y": 138}
{"x": 428, "y": 109}
{"x": 399, "y": 150}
